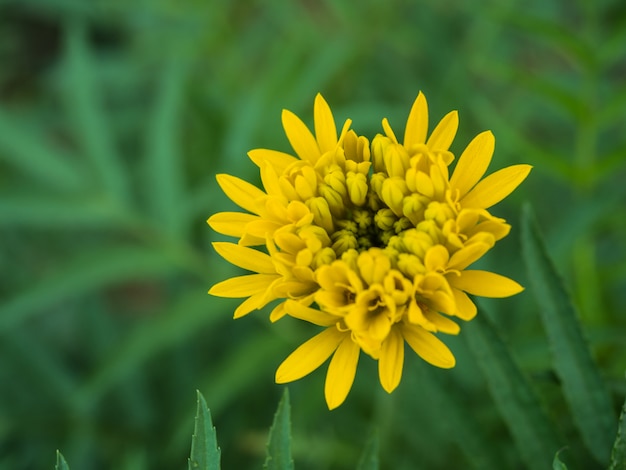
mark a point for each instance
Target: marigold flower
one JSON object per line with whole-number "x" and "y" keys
{"x": 369, "y": 241}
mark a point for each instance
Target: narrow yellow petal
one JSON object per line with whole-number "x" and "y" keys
{"x": 417, "y": 123}
{"x": 467, "y": 255}
{"x": 242, "y": 193}
{"x": 436, "y": 258}
{"x": 428, "y": 346}
{"x": 443, "y": 323}
{"x": 473, "y": 163}
{"x": 485, "y": 284}
{"x": 496, "y": 187}
{"x": 391, "y": 360}
{"x": 443, "y": 135}
{"x": 243, "y": 286}
{"x": 325, "y": 128}
{"x": 231, "y": 223}
{"x": 466, "y": 309}
{"x": 278, "y": 312}
{"x": 341, "y": 372}
{"x": 312, "y": 315}
{"x": 300, "y": 137}
{"x": 246, "y": 258}
{"x": 310, "y": 355}
{"x": 262, "y": 228}
{"x": 253, "y": 302}
{"x": 278, "y": 160}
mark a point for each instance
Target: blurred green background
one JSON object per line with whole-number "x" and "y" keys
{"x": 115, "y": 117}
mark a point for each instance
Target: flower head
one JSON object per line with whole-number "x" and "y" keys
{"x": 369, "y": 241}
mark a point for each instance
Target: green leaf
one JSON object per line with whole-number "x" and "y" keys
{"x": 93, "y": 131}
{"x": 279, "y": 443}
{"x": 584, "y": 390}
{"x": 61, "y": 463}
{"x": 85, "y": 273}
{"x": 515, "y": 399}
{"x": 618, "y": 455}
{"x": 163, "y": 161}
{"x": 369, "y": 458}
{"x": 179, "y": 320}
{"x": 556, "y": 463}
{"x": 32, "y": 153}
{"x": 205, "y": 454}
{"x": 43, "y": 211}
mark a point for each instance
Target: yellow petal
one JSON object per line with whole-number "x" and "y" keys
{"x": 485, "y": 284}
{"x": 341, "y": 372}
{"x": 467, "y": 255}
{"x": 443, "y": 135}
{"x": 253, "y": 302}
{"x": 231, "y": 223}
{"x": 246, "y": 258}
{"x": 243, "y": 286}
{"x": 278, "y": 312}
{"x": 466, "y": 309}
{"x": 443, "y": 324}
{"x": 473, "y": 163}
{"x": 496, "y": 187}
{"x": 262, "y": 228}
{"x": 278, "y": 160}
{"x": 242, "y": 193}
{"x": 391, "y": 361}
{"x": 300, "y": 137}
{"x": 310, "y": 355}
{"x": 428, "y": 346}
{"x": 311, "y": 315}
{"x": 325, "y": 129}
{"x": 417, "y": 123}
{"x": 436, "y": 258}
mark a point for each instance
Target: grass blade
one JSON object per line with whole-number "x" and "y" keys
{"x": 176, "y": 323}
{"x": 205, "y": 454}
{"x": 163, "y": 162}
{"x": 279, "y": 443}
{"x": 45, "y": 212}
{"x": 85, "y": 273}
{"x": 515, "y": 399}
{"x": 618, "y": 455}
{"x": 557, "y": 464}
{"x": 369, "y": 458}
{"x": 584, "y": 390}
{"x": 29, "y": 151}
{"x": 61, "y": 463}
{"x": 86, "y": 111}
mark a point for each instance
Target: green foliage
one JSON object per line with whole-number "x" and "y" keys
{"x": 61, "y": 463}
{"x": 279, "y": 441}
{"x": 583, "y": 387}
{"x": 370, "y": 457}
{"x": 556, "y": 462}
{"x": 205, "y": 454}
{"x": 531, "y": 429}
{"x": 114, "y": 120}
{"x": 618, "y": 455}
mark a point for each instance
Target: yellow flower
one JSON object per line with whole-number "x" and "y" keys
{"x": 368, "y": 241}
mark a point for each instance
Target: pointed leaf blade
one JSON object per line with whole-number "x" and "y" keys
{"x": 369, "y": 458}
{"x": 86, "y": 111}
{"x": 618, "y": 455}
{"x": 61, "y": 463}
{"x": 31, "y": 152}
{"x": 515, "y": 399}
{"x": 584, "y": 390}
{"x": 279, "y": 443}
{"x": 205, "y": 454}
{"x": 163, "y": 162}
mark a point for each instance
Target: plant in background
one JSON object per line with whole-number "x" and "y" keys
{"x": 369, "y": 240}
